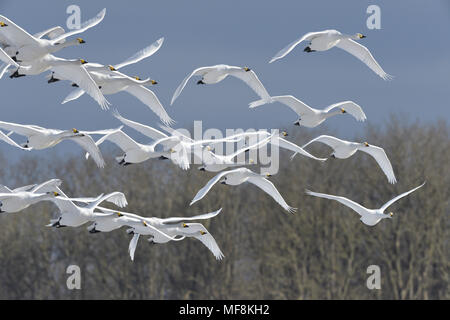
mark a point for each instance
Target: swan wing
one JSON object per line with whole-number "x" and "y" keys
{"x": 84, "y": 26}
{"x": 88, "y": 144}
{"x": 363, "y": 54}
{"x": 133, "y": 245}
{"x": 282, "y": 143}
{"x": 208, "y": 240}
{"x": 7, "y": 59}
{"x": 75, "y": 94}
{"x": 24, "y": 130}
{"x": 383, "y": 161}
{"x": 283, "y": 52}
{"x": 15, "y": 35}
{"x": 142, "y": 54}
{"x": 347, "y": 202}
{"x": 203, "y": 191}
{"x": 149, "y": 98}
{"x": 145, "y": 130}
{"x": 80, "y": 76}
{"x": 330, "y": 141}
{"x": 50, "y": 33}
{"x": 197, "y": 72}
{"x": 268, "y": 187}
{"x": 252, "y": 80}
{"x": 390, "y": 202}
{"x": 350, "y": 107}
{"x": 118, "y": 198}
{"x": 299, "y": 107}
{"x": 204, "y": 216}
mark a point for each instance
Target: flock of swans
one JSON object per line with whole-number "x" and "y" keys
{"x": 28, "y": 54}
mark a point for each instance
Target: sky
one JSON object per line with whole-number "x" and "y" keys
{"x": 412, "y": 45}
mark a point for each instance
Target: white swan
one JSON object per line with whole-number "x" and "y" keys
{"x": 327, "y": 39}
{"x": 112, "y": 84}
{"x": 369, "y": 217}
{"x": 21, "y": 198}
{"x": 41, "y": 138}
{"x": 72, "y": 215}
{"x": 26, "y": 47}
{"x": 160, "y": 230}
{"x": 238, "y": 176}
{"x": 72, "y": 70}
{"x": 343, "y": 149}
{"x": 215, "y": 74}
{"x": 310, "y": 117}
{"x": 174, "y": 147}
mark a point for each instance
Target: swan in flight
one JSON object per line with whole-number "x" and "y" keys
{"x": 24, "y": 47}
{"x": 72, "y": 215}
{"x": 310, "y": 117}
{"x": 138, "y": 56}
{"x": 112, "y": 84}
{"x": 369, "y": 217}
{"x": 215, "y": 163}
{"x": 344, "y": 149}
{"x": 72, "y": 70}
{"x": 160, "y": 230}
{"x": 327, "y": 39}
{"x": 171, "y": 147}
{"x": 21, "y": 198}
{"x": 41, "y": 138}
{"x": 238, "y": 176}
{"x": 215, "y": 74}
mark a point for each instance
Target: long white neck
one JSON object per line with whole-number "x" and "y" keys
{"x": 60, "y": 46}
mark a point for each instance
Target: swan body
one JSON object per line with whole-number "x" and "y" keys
{"x": 369, "y": 217}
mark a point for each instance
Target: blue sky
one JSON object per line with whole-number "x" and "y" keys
{"x": 413, "y": 45}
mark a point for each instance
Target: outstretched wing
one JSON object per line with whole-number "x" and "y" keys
{"x": 347, "y": 202}
{"x": 10, "y": 141}
{"x": 268, "y": 187}
{"x": 390, "y": 202}
{"x": 208, "y": 240}
{"x": 197, "y": 72}
{"x": 383, "y": 161}
{"x": 198, "y": 217}
{"x": 145, "y": 130}
{"x": 252, "y": 80}
{"x": 282, "y": 143}
{"x": 142, "y": 54}
{"x": 363, "y": 54}
{"x": 350, "y": 107}
{"x": 83, "y": 27}
{"x": 330, "y": 141}
{"x": 283, "y": 52}
{"x": 88, "y": 144}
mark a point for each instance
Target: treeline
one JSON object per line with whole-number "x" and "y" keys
{"x": 321, "y": 252}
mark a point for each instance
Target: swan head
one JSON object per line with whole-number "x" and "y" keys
{"x": 53, "y": 194}
{"x": 119, "y": 214}
{"x": 80, "y": 41}
{"x": 366, "y": 144}
{"x": 284, "y": 133}
{"x": 202, "y": 232}
{"x": 246, "y": 69}
{"x": 251, "y": 161}
{"x": 2, "y": 24}
{"x": 83, "y": 61}
{"x": 137, "y": 78}
{"x": 391, "y": 214}
{"x": 111, "y": 68}
{"x": 153, "y": 82}
{"x": 343, "y": 110}
{"x": 75, "y": 130}
{"x": 144, "y": 223}
{"x": 184, "y": 225}
{"x": 268, "y": 175}
{"x": 360, "y": 36}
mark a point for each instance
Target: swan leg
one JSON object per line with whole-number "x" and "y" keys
{"x": 74, "y": 85}
{"x": 308, "y": 49}
{"x": 200, "y": 82}
{"x": 163, "y": 158}
{"x": 52, "y": 79}
{"x": 16, "y": 75}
